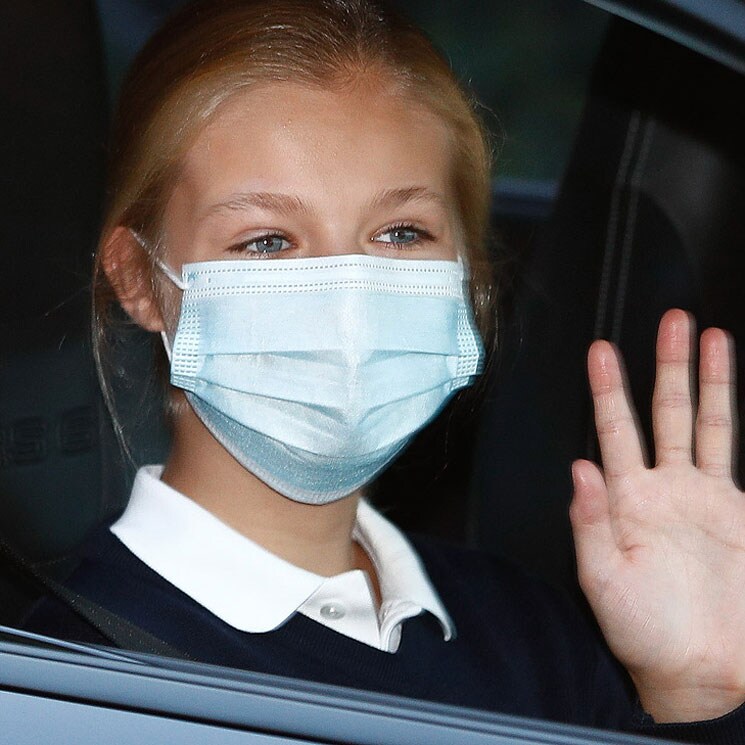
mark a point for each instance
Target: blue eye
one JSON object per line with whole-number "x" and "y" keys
{"x": 399, "y": 236}
{"x": 269, "y": 244}
{"x": 265, "y": 244}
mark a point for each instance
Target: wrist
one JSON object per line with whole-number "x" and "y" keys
{"x": 688, "y": 704}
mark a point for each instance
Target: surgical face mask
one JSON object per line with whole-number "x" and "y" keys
{"x": 315, "y": 373}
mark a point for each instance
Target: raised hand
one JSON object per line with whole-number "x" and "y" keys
{"x": 661, "y": 550}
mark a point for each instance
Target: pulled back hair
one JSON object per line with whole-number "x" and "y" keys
{"x": 213, "y": 49}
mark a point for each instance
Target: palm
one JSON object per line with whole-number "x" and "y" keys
{"x": 661, "y": 551}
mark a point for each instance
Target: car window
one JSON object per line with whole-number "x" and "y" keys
{"x": 530, "y": 64}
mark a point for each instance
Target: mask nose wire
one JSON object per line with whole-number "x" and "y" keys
{"x": 168, "y": 273}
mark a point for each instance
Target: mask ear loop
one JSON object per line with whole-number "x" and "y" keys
{"x": 178, "y": 281}
{"x": 161, "y": 264}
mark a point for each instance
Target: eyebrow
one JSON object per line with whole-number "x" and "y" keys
{"x": 286, "y": 204}
{"x": 397, "y": 197}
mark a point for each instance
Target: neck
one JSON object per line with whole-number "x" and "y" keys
{"x": 314, "y": 537}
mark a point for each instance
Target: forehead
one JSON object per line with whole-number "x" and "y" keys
{"x": 292, "y": 138}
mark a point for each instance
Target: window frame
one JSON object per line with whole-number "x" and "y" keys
{"x": 48, "y": 687}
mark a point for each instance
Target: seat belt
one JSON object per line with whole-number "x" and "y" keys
{"x": 120, "y": 632}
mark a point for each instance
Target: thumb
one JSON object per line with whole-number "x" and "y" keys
{"x": 591, "y": 524}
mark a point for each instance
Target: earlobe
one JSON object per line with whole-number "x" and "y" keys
{"x": 127, "y": 268}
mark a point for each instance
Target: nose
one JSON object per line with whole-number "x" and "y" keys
{"x": 335, "y": 250}
{"x": 338, "y": 231}
{"x": 335, "y": 246}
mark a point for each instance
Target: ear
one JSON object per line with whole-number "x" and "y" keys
{"x": 129, "y": 272}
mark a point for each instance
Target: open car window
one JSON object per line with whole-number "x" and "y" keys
{"x": 599, "y": 241}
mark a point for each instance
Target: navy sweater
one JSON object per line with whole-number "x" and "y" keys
{"x": 520, "y": 648}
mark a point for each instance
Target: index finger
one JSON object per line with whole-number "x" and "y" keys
{"x": 615, "y": 420}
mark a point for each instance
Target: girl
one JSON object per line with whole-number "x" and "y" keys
{"x": 298, "y": 204}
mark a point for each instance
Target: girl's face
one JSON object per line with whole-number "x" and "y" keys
{"x": 285, "y": 171}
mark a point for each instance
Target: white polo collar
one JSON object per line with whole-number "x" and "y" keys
{"x": 254, "y": 590}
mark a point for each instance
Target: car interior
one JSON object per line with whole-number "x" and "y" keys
{"x": 647, "y": 214}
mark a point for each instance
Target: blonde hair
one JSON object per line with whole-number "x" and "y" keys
{"x": 213, "y": 49}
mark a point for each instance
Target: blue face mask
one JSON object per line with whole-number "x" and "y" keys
{"x": 314, "y": 373}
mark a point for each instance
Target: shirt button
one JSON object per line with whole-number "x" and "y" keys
{"x": 333, "y": 612}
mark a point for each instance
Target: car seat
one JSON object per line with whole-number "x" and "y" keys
{"x": 61, "y": 471}
{"x": 650, "y": 216}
